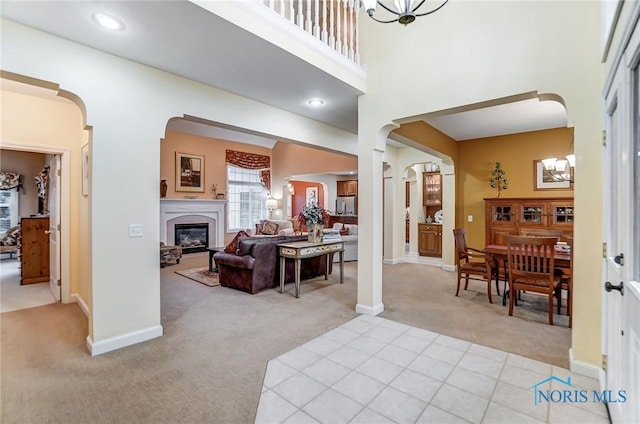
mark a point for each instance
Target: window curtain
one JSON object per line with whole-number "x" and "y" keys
{"x": 9, "y": 180}
{"x": 252, "y": 161}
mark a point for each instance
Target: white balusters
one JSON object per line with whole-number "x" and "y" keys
{"x": 316, "y": 18}
{"x": 334, "y": 22}
{"x": 323, "y": 33}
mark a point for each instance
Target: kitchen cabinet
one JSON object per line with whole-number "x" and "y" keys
{"x": 430, "y": 240}
{"x": 347, "y": 188}
{"x": 34, "y": 250}
{"x": 512, "y": 215}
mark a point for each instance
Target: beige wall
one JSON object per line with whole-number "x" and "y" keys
{"x": 28, "y": 164}
{"x": 54, "y": 124}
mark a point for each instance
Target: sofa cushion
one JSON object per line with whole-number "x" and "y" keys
{"x": 353, "y": 229}
{"x": 233, "y": 246}
{"x": 245, "y": 244}
{"x": 269, "y": 228}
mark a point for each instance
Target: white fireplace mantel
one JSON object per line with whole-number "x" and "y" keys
{"x": 174, "y": 208}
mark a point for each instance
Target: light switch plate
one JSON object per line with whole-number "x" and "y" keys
{"x": 469, "y": 218}
{"x": 135, "y": 230}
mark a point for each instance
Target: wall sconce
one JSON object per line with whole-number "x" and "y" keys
{"x": 271, "y": 204}
{"x": 292, "y": 191}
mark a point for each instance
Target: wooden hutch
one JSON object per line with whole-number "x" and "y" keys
{"x": 505, "y": 216}
{"x": 430, "y": 234}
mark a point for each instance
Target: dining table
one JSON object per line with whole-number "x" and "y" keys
{"x": 561, "y": 258}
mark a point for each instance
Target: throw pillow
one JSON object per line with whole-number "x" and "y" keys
{"x": 269, "y": 228}
{"x": 344, "y": 231}
{"x": 233, "y": 246}
{"x": 259, "y": 227}
{"x": 353, "y": 230}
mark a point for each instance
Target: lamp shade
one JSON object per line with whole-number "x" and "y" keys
{"x": 272, "y": 203}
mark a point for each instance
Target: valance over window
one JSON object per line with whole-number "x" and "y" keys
{"x": 252, "y": 161}
{"x": 9, "y": 180}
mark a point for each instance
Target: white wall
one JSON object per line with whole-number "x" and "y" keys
{"x": 470, "y": 52}
{"x": 128, "y": 106}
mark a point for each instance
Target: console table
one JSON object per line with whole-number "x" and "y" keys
{"x": 300, "y": 250}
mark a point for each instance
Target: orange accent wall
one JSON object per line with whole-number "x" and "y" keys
{"x": 300, "y": 197}
{"x": 294, "y": 159}
{"x": 428, "y": 136}
{"x": 516, "y": 153}
{"x": 215, "y": 167}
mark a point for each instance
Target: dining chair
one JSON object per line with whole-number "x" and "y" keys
{"x": 531, "y": 268}
{"x": 473, "y": 264}
{"x": 540, "y": 232}
{"x": 566, "y": 283}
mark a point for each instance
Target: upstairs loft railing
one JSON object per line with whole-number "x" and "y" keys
{"x": 333, "y": 22}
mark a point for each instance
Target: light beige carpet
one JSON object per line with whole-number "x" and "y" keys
{"x": 202, "y": 275}
{"x": 209, "y": 365}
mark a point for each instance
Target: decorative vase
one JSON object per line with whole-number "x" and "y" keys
{"x": 163, "y": 188}
{"x": 314, "y": 232}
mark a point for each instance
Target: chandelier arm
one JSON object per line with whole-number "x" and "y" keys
{"x": 389, "y": 10}
{"x": 383, "y": 22}
{"x": 433, "y": 11}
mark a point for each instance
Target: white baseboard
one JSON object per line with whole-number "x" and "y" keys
{"x": 393, "y": 261}
{"x": 83, "y": 306}
{"x": 450, "y": 268}
{"x": 368, "y": 310}
{"x": 118, "y": 342}
{"x": 583, "y": 368}
{"x": 412, "y": 254}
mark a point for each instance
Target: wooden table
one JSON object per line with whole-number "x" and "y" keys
{"x": 212, "y": 251}
{"x": 300, "y": 250}
{"x": 562, "y": 259}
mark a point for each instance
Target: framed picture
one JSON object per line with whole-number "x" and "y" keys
{"x": 544, "y": 180}
{"x": 84, "y": 157}
{"x": 312, "y": 196}
{"x": 189, "y": 172}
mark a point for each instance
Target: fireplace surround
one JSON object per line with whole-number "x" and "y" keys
{"x": 192, "y": 211}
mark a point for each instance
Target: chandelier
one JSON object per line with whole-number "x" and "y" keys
{"x": 404, "y": 10}
{"x": 560, "y": 169}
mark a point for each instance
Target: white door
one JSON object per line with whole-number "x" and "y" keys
{"x": 621, "y": 292}
{"x": 54, "y": 229}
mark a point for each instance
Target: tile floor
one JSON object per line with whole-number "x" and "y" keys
{"x": 372, "y": 370}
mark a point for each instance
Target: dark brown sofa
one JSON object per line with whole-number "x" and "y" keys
{"x": 256, "y": 265}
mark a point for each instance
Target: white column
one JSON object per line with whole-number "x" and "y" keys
{"x": 448, "y": 216}
{"x": 369, "y": 227}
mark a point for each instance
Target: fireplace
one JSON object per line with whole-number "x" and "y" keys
{"x": 192, "y": 237}
{"x": 192, "y": 211}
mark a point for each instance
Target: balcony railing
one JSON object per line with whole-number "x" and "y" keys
{"x": 333, "y": 22}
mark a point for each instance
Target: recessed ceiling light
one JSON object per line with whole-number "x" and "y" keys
{"x": 315, "y": 102}
{"x": 108, "y": 22}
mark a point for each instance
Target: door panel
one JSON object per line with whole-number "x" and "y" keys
{"x": 54, "y": 229}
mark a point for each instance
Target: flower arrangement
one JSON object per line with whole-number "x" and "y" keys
{"x": 313, "y": 214}
{"x": 498, "y": 179}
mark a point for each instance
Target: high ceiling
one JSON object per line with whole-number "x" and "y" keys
{"x": 184, "y": 39}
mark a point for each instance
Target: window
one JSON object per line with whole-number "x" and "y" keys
{"x": 245, "y": 198}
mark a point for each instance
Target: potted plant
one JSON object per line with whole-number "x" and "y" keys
{"x": 314, "y": 217}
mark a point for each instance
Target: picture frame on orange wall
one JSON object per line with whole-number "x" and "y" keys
{"x": 189, "y": 172}
{"x": 544, "y": 180}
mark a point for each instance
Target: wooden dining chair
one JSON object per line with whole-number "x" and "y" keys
{"x": 473, "y": 264}
{"x": 531, "y": 268}
{"x": 566, "y": 284}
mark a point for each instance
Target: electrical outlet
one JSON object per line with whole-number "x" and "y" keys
{"x": 469, "y": 218}
{"x": 135, "y": 230}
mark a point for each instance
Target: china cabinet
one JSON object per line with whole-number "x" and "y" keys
{"x": 504, "y": 216}
{"x": 430, "y": 240}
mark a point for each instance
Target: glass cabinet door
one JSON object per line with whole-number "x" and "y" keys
{"x": 432, "y": 189}
{"x": 562, "y": 213}
{"x": 533, "y": 214}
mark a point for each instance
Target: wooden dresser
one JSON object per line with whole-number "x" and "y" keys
{"x": 34, "y": 250}
{"x": 505, "y": 216}
{"x": 430, "y": 240}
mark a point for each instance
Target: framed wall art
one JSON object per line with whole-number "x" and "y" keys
{"x": 544, "y": 180}
{"x": 189, "y": 172}
{"x": 312, "y": 196}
